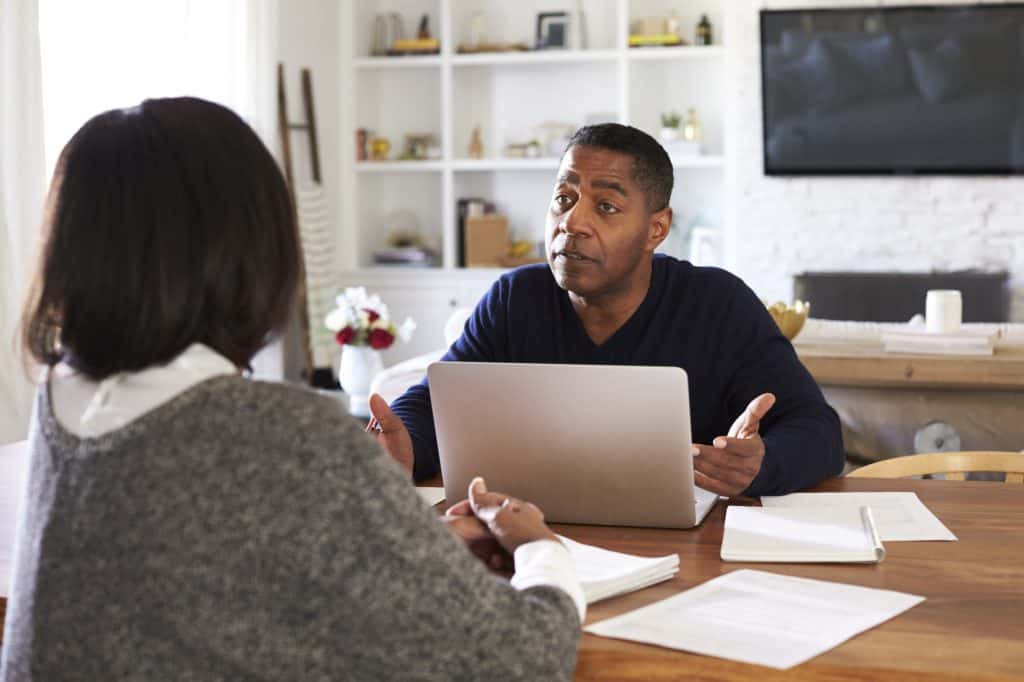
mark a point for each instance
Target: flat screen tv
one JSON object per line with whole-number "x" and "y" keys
{"x": 894, "y": 90}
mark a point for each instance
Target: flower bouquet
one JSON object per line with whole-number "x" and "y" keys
{"x": 362, "y": 327}
{"x": 363, "y": 320}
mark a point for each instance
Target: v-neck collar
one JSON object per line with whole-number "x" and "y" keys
{"x": 623, "y": 339}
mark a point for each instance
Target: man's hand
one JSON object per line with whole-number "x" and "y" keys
{"x": 729, "y": 465}
{"x": 390, "y": 432}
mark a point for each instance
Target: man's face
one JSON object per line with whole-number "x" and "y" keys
{"x": 599, "y": 229}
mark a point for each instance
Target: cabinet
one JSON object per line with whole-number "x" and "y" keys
{"x": 510, "y": 96}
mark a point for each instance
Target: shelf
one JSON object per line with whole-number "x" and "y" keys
{"x": 535, "y": 57}
{"x": 702, "y": 161}
{"x": 399, "y": 166}
{"x": 681, "y": 52}
{"x": 545, "y": 163}
{"x": 412, "y": 61}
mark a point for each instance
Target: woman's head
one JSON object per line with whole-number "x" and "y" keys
{"x": 167, "y": 224}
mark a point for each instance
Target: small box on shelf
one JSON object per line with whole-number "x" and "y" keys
{"x": 486, "y": 240}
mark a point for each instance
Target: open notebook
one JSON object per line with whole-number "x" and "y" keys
{"x": 605, "y": 574}
{"x": 833, "y": 534}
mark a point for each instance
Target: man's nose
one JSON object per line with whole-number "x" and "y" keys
{"x": 577, "y": 221}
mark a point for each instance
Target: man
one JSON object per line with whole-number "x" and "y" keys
{"x": 759, "y": 421}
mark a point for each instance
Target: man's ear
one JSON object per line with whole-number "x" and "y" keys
{"x": 658, "y": 227}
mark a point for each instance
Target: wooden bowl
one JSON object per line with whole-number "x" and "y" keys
{"x": 790, "y": 318}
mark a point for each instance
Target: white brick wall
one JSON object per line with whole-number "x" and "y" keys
{"x": 781, "y": 227}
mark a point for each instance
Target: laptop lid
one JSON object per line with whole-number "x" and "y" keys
{"x": 595, "y": 444}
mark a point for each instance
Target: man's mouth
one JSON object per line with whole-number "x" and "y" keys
{"x": 572, "y": 255}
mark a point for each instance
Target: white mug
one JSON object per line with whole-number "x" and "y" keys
{"x": 943, "y": 311}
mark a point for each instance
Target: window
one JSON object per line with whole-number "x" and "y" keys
{"x": 103, "y": 54}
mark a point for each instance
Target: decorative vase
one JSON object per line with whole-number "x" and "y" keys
{"x": 669, "y": 134}
{"x": 358, "y": 366}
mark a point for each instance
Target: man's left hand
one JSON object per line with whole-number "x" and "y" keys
{"x": 729, "y": 465}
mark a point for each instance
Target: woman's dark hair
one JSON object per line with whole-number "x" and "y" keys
{"x": 167, "y": 224}
{"x": 652, "y": 167}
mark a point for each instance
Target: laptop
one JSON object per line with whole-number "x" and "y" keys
{"x": 592, "y": 444}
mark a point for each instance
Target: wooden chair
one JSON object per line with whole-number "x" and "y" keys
{"x": 952, "y": 464}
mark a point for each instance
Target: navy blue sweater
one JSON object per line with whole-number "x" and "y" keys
{"x": 704, "y": 320}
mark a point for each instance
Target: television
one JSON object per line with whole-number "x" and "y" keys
{"x": 894, "y": 90}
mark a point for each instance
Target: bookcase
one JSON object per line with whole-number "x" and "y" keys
{"x": 509, "y": 96}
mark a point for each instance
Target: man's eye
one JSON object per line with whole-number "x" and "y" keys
{"x": 607, "y": 208}
{"x": 563, "y": 200}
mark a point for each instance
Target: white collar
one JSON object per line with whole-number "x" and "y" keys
{"x": 89, "y": 408}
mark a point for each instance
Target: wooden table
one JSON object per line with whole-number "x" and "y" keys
{"x": 867, "y": 365}
{"x": 971, "y": 627}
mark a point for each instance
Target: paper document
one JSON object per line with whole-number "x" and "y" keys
{"x": 758, "y": 617}
{"x": 801, "y": 534}
{"x": 605, "y": 574}
{"x": 898, "y": 516}
{"x": 430, "y": 494}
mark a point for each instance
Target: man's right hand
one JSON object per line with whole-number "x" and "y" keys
{"x": 390, "y": 432}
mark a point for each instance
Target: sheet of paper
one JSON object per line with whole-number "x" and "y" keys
{"x": 13, "y": 469}
{"x": 604, "y": 573}
{"x": 899, "y": 516}
{"x": 801, "y": 534}
{"x": 759, "y": 617}
{"x": 430, "y": 494}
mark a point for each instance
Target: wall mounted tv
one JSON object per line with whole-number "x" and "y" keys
{"x": 894, "y": 90}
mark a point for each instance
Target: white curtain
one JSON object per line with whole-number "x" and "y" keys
{"x": 22, "y": 179}
{"x": 63, "y": 61}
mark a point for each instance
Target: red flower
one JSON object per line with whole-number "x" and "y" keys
{"x": 373, "y": 314}
{"x": 345, "y": 335}
{"x": 380, "y": 338}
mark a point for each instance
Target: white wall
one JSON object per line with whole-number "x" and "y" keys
{"x": 781, "y": 227}
{"x": 308, "y": 37}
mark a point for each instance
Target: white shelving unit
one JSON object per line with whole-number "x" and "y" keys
{"x": 507, "y": 95}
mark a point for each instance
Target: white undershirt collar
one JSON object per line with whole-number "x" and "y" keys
{"x": 89, "y": 408}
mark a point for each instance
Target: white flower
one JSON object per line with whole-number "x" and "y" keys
{"x": 353, "y": 296}
{"x": 337, "y": 319}
{"x": 406, "y": 329}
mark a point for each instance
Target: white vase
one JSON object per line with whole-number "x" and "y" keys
{"x": 669, "y": 134}
{"x": 358, "y": 366}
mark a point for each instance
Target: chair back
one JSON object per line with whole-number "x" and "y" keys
{"x": 953, "y": 464}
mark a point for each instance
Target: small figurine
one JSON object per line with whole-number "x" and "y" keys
{"x": 691, "y": 127}
{"x": 379, "y": 148}
{"x": 476, "y": 145}
{"x": 424, "y": 31}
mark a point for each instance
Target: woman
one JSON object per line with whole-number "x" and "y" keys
{"x": 185, "y": 523}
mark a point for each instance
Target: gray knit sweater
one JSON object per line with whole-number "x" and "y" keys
{"x": 251, "y": 531}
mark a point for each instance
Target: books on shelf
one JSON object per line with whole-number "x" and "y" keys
{"x": 801, "y": 535}
{"x": 604, "y": 573}
{"x": 413, "y": 256}
{"x": 655, "y": 40}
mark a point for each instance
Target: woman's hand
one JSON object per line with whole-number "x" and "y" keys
{"x": 511, "y": 521}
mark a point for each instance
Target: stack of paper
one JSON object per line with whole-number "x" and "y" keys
{"x": 898, "y": 516}
{"x": 757, "y": 617}
{"x": 605, "y": 574}
{"x": 801, "y": 534}
{"x": 430, "y": 494}
{"x": 919, "y": 341}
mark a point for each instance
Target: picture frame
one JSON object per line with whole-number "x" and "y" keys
{"x": 552, "y": 30}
